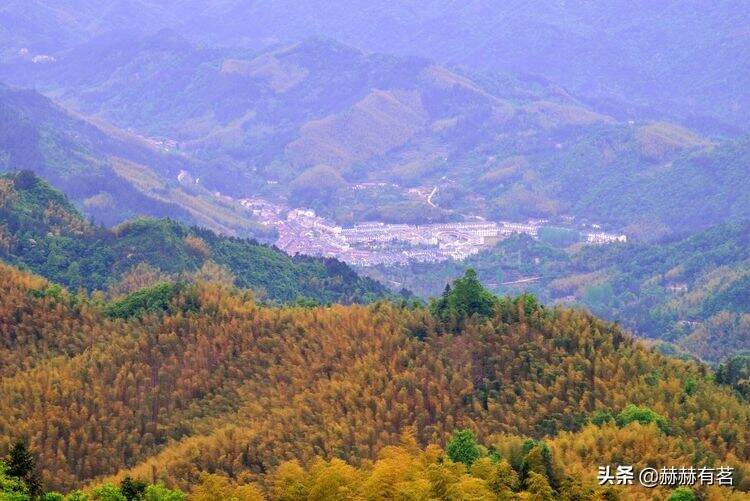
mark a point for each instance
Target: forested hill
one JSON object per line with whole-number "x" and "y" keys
{"x": 693, "y": 291}
{"x": 502, "y": 146}
{"x": 210, "y": 381}
{"x": 40, "y": 230}
{"x": 110, "y": 174}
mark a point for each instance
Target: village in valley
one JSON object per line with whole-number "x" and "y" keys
{"x": 302, "y": 231}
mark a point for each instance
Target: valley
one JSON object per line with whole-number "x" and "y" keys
{"x": 688, "y": 295}
{"x": 41, "y": 230}
{"x": 284, "y": 124}
{"x": 372, "y": 243}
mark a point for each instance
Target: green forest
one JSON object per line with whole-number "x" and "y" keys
{"x": 41, "y": 231}
{"x": 691, "y": 293}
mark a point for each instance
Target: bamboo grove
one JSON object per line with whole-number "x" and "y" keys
{"x": 215, "y": 391}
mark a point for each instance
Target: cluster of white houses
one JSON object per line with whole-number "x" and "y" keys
{"x": 373, "y": 243}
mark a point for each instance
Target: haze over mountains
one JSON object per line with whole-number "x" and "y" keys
{"x": 305, "y": 122}
{"x": 585, "y": 113}
{"x": 110, "y": 174}
{"x": 636, "y": 59}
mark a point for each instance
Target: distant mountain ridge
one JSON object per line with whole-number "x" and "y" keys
{"x": 637, "y": 59}
{"x": 499, "y": 146}
{"x": 110, "y": 174}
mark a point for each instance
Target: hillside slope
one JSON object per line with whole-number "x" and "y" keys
{"x": 692, "y": 291}
{"x": 495, "y": 145}
{"x": 111, "y": 175}
{"x": 41, "y": 230}
{"x": 634, "y": 58}
{"x": 214, "y": 382}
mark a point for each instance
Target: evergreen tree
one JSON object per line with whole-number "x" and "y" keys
{"x": 538, "y": 459}
{"x": 158, "y": 492}
{"x": 132, "y": 489}
{"x": 466, "y": 298}
{"x": 682, "y": 494}
{"x": 539, "y": 488}
{"x": 21, "y": 464}
{"x": 463, "y": 448}
{"x": 108, "y": 492}
{"x": 643, "y": 415}
{"x": 11, "y": 487}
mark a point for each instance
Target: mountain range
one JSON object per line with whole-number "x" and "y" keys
{"x": 635, "y": 60}
{"x": 108, "y": 173}
{"x": 286, "y": 123}
{"x": 210, "y": 389}
{"x": 156, "y": 346}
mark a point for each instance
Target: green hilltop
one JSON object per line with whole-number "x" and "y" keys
{"x": 40, "y": 230}
{"x": 690, "y": 292}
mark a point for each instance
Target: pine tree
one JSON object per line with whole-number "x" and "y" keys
{"x": 22, "y": 465}
{"x": 132, "y": 489}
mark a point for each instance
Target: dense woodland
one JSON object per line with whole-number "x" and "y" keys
{"x": 692, "y": 292}
{"x": 150, "y": 351}
{"x": 211, "y": 382}
{"x": 40, "y": 230}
